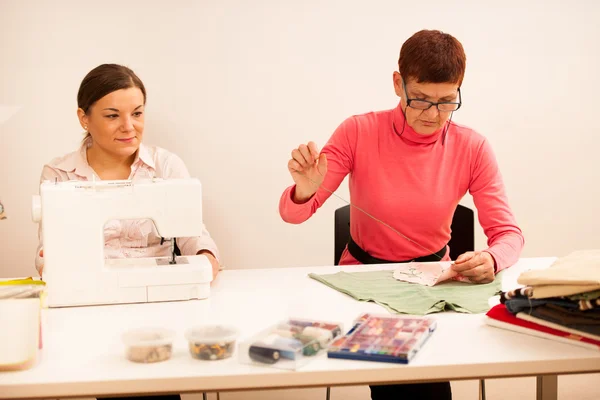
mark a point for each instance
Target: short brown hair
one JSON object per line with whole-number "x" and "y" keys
{"x": 105, "y": 79}
{"x": 431, "y": 56}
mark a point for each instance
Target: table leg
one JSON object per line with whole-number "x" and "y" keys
{"x": 547, "y": 387}
{"x": 481, "y": 389}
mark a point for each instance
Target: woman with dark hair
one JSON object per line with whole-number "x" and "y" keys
{"x": 409, "y": 168}
{"x": 111, "y": 103}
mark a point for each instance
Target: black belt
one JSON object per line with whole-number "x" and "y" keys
{"x": 365, "y": 258}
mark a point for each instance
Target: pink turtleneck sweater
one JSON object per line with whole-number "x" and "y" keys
{"x": 413, "y": 183}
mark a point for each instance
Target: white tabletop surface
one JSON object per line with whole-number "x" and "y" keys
{"x": 83, "y": 354}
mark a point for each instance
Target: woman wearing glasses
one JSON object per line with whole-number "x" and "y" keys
{"x": 409, "y": 167}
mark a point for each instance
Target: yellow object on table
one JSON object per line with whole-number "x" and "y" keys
{"x": 28, "y": 281}
{"x": 24, "y": 281}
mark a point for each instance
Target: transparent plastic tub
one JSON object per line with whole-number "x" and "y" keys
{"x": 212, "y": 342}
{"x": 289, "y": 344}
{"x": 148, "y": 345}
{"x": 20, "y": 322}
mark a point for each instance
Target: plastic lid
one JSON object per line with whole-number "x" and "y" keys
{"x": 148, "y": 337}
{"x": 20, "y": 291}
{"x": 212, "y": 334}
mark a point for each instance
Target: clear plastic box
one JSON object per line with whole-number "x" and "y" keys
{"x": 289, "y": 344}
{"x": 212, "y": 342}
{"x": 148, "y": 345}
{"x": 20, "y": 322}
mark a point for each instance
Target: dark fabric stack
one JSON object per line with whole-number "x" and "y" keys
{"x": 561, "y": 302}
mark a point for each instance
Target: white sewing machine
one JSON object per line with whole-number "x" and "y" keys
{"x": 73, "y": 215}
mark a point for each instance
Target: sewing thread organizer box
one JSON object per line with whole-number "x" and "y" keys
{"x": 289, "y": 344}
{"x": 383, "y": 338}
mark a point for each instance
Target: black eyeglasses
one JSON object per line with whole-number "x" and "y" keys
{"x": 423, "y": 105}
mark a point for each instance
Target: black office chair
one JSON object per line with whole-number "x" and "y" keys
{"x": 462, "y": 238}
{"x": 341, "y": 232}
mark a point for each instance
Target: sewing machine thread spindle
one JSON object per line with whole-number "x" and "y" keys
{"x": 172, "y": 261}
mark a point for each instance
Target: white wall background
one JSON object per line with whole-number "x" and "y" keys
{"x": 233, "y": 86}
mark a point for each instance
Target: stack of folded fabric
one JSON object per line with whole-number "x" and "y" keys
{"x": 560, "y": 303}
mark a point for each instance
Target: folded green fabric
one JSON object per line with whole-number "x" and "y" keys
{"x": 411, "y": 298}
{"x": 585, "y": 296}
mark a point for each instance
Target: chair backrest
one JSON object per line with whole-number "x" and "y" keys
{"x": 462, "y": 238}
{"x": 342, "y": 232}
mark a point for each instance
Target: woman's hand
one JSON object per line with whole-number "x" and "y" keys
{"x": 41, "y": 263}
{"x": 308, "y": 169}
{"x": 213, "y": 261}
{"x": 477, "y": 266}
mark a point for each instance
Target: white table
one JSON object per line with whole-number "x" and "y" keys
{"x": 83, "y": 354}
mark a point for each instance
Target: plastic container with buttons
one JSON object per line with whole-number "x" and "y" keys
{"x": 148, "y": 345}
{"x": 212, "y": 342}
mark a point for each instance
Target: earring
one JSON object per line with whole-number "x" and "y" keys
{"x": 85, "y": 127}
